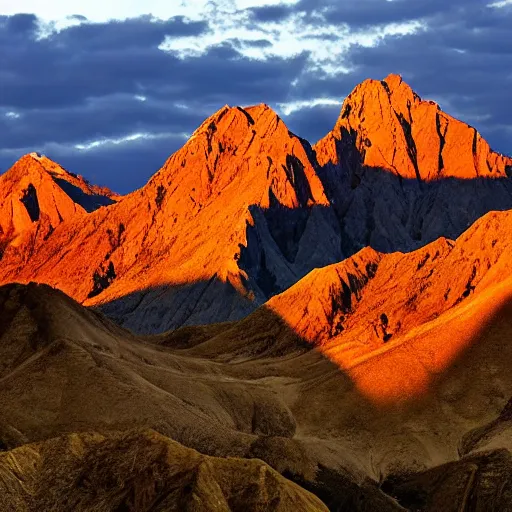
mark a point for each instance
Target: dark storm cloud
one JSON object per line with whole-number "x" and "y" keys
{"x": 271, "y": 13}
{"x": 86, "y": 60}
{"x": 138, "y": 32}
{"x": 81, "y": 84}
{"x": 312, "y": 122}
{"x": 365, "y": 13}
{"x": 97, "y": 119}
{"x": 461, "y": 57}
{"x": 19, "y": 24}
{"x": 73, "y": 65}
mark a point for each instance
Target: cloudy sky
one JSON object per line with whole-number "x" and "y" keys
{"x": 110, "y": 88}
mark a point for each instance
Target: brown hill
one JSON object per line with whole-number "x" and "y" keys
{"x": 139, "y": 472}
{"x": 66, "y": 369}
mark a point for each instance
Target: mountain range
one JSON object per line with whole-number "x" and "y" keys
{"x": 339, "y": 312}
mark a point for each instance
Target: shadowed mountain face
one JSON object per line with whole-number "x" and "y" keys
{"x": 246, "y": 209}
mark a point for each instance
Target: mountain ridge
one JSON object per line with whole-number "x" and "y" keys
{"x": 277, "y": 208}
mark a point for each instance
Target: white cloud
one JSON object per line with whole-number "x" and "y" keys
{"x": 500, "y": 4}
{"x": 227, "y": 20}
{"x": 100, "y": 10}
{"x": 126, "y": 138}
{"x": 289, "y": 108}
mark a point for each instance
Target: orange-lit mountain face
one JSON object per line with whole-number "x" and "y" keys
{"x": 400, "y": 172}
{"x": 386, "y": 125}
{"x": 36, "y": 196}
{"x": 246, "y": 208}
{"x": 397, "y": 323}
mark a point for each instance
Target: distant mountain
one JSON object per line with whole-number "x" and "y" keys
{"x": 246, "y": 209}
{"x": 36, "y": 196}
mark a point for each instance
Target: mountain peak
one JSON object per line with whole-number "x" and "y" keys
{"x": 37, "y": 194}
{"x": 386, "y": 125}
{"x": 250, "y": 145}
{"x": 393, "y": 80}
{"x": 37, "y": 163}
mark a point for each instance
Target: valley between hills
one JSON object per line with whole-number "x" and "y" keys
{"x": 266, "y": 324}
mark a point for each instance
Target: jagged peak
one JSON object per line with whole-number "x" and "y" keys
{"x": 385, "y": 124}
{"x": 251, "y": 144}
{"x": 393, "y": 80}
{"x": 253, "y": 114}
{"x": 30, "y": 164}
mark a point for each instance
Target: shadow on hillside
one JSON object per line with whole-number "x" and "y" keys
{"x": 268, "y": 379}
{"x": 378, "y": 209}
{"x": 89, "y": 202}
{"x": 228, "y": 382}
{"x": 263, "y": 346}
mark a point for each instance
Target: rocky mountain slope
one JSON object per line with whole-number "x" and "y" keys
{"x": 246, "y": 209}
{"x": 311, "y": 382}
{"x": 400, "y": 172}
{"x": 419, "y": 311}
